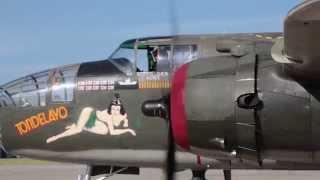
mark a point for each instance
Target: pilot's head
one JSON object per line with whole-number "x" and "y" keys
{"x": 155, "y": 53}
{"x": 116, "y": 107}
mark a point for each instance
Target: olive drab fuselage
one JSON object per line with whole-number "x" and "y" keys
{"x": 239, "y": 104}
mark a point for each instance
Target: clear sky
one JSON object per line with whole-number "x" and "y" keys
{"x": 36, "y": 35}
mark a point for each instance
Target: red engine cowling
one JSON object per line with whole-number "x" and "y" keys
{"x": 179, "y": 115}
{"x": 202, "y": 106}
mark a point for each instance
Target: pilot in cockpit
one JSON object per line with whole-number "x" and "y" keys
{"x": 153, "y": 54}
{"x": 159, "y": 58}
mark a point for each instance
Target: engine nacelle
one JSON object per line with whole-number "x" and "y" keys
{"x": 202, "y": 105}
{"x": 248, "y": 106}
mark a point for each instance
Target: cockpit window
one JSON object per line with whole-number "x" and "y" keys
{"x": 149, "y": 57}
{"x": 29, "y": 95}
{"x": 183, "y": 54}
{"x": 42, "y": 79}
{"x": 4, "y": 99}
{"x": 123, "y": 59}
{"x": 14, "y": 90}
{"x": 63, "y": 83}
{"x": 29, "y": 91}
{"x": 143, "y": 57}
{"x": 142, "y": 60}
{"x": 38, "y": 89}
{"x": 153, "y": 58}
{"x": 163, "y": 59}
{"x": 23, "y": 92}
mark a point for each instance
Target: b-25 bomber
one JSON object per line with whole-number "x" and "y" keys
{"x": 224, "y": 101}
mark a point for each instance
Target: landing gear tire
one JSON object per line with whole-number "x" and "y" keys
{"x": 86, "y": 175}
{"x": 199, "y": 174}
{"x": 227, "y": 174}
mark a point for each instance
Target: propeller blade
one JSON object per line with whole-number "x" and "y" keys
{"x": 171, "y": 161}
{"x": 161, "y": 108}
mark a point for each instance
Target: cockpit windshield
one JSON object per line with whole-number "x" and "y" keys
{"x": 123, "y": 58}
{"x": 142, "y": 57}
{"x": 152, "y": 56}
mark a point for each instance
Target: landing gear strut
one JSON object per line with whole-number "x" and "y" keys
{"x": 86, "y": 175}
{"x": 199, "y": 174}
{"x": 227, "y": 174}
{"x": 107, "y": 171}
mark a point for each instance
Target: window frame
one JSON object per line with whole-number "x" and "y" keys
{"x": 138, "y": 43}
{"x": 4, "y": 93}
{"x": 15, "y": 90}
{"x": 62, "y": 71}
{"x": 192, "y": 46}
{"x": 35, "y": 91}
{"x": 37, "y": 77}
